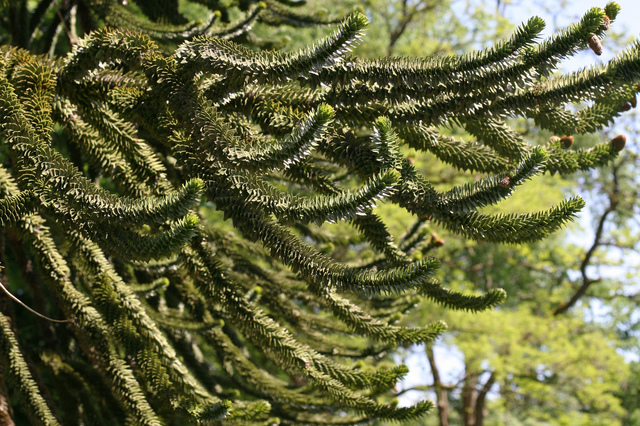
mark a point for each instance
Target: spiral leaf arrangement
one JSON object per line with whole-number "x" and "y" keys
{"x": 120, "y": 162}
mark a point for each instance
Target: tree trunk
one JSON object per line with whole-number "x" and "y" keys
{"x": 469, "y": 398}
{"x": 6, "y": 414}
{"x": 6, "y": 307}
{"x": 442, "y": 395}
{"x": 480, "y": 409}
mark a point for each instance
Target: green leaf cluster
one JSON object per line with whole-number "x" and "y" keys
{"x": 121, "y": 160}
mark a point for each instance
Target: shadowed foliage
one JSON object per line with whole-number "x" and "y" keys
{"x": 122, "y": 160}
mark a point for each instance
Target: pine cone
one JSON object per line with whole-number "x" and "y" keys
{"x": 595, "y": 44}
{"x": 567, "y": 141}
{"x": 618, "y": 142}
{"x": 505, "y": 182}
{"x": 436, "y": 241}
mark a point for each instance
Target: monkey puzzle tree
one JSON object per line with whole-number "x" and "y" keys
{"x": 121, "y": 160}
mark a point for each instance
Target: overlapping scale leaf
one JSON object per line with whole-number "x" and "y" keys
{"x": 274, "y": 142}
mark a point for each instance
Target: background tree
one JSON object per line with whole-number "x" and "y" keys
{"x": 408, "y": 28}
{"x": 592, "y": 283}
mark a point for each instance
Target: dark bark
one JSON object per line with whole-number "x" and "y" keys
{"x": 6, "y": 307}
{"x": 469, "y": 398}
{"x": 408, "y": 15}
{"x": 442, "y": 394}
{"x": 481, "y": 410}
{"x": 6, "y": 413}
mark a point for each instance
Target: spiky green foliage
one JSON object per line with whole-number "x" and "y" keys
{"x": 121, "y": 160}
{"x": 50, "y": 26}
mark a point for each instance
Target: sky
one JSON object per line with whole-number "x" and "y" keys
{"x": 521, "y": 10}
{"x": 628, "y": 22}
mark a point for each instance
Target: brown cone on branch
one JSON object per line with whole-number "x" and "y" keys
{"x": 595, "y": 44}
{"x": 505, "y": 182}
{"x": 567, "y": 141}
{"x": 633, "y": 102}
{"x": 436, "y": 241}
{"x": 625, "y": 107}
{"x": 618, "y": 142}
{"x": 606, "y": 23}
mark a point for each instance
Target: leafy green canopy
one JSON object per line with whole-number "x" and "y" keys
{"x": 175, "y": 317}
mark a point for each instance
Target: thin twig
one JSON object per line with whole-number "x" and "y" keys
{"x": 64, "y": 25}
{"x": 33, "y": 311}
{"x": 597, "y": 242}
